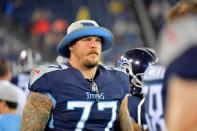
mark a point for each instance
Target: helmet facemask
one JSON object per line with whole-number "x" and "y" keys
{"x": 134, "y": 62}
{"x": 136, "y": 83}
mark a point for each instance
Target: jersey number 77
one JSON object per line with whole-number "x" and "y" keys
{"x": 87, "y": 106}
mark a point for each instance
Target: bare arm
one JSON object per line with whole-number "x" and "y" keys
{"x": 182, "y": 105}
{"x": 36, "y": 112}
{"x": 136, "y": 126}
{"x": 124, "y": 117}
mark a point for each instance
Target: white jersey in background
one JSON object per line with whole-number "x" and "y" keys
{"x": 155, "y": 98}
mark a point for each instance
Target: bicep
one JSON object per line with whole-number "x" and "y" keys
{"x": 181, "y": 104}
{"x": 36, "y": 112}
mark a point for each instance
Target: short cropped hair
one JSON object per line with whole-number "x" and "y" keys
{"x": 183, "y": 8}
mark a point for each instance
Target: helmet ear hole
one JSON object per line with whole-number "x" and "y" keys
{"x": 127, "y": 70}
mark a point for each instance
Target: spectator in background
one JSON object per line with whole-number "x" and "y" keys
{"x": 83, "y": 13}
{"x": 158, "y": 10}
{"x": 41, "y": 22}
{"x": 5, "y": 77}
{"x": 9, "y": 100}
{"x": 59, "y": 25}
{"x": 27, "y": 60}
{"x": 52, "y": 39}
{"x": 40, "y": 28}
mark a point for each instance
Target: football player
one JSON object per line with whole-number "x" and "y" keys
{"x": 80, "y": 95}
{"x": 173, "y": 96}
{"x": 155, "y": 97}
{"x": 134, "y": 62}
{"x": 178, "y": 52}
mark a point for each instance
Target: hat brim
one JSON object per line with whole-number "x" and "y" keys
{"x": 105, "y": 34}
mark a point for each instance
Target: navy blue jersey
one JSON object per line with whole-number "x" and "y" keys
{"x": 155, "y": 98}
{"x": 184, "y": 66}
{"x": 136, "y": 110}
{"x": 78, "y": 105}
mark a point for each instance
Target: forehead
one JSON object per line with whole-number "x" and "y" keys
{"x": 92, "y": 37}
{"x": 87, "y": 37}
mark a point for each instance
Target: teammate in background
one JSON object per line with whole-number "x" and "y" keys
{"x": 9, "y": 119}
{"x": 81, "y": 94}
{"x": 155, "y": 95}
{"x": 27, "y": 61}
{"x": 178, "y": 52}
{"x": 5, "y": 77}
{"x": 177, "y": 36}
{"x": 134, "y": 62}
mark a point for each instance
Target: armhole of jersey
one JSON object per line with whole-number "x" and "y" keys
{"x": 53, "y": 100}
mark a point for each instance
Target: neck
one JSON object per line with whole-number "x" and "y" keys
{"x": 88, "y": 73}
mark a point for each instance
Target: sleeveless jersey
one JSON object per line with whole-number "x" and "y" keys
{"x": 81, "y": 105}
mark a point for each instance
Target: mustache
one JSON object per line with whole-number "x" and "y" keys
{"x": 93, "y": 52}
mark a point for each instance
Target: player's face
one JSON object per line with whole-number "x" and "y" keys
{"x": 87, "y": 51}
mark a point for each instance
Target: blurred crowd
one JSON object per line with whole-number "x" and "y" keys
{"x": 40, "y": 25}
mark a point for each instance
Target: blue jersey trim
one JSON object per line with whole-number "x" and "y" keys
{"x": 53, "y": 99}
{"x": 51, "y": 123}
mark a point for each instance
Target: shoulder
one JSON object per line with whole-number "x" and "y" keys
{"x": 117, "y": 73}
{"x": 154, "y": 72}
{"x": 117, "y": 77}
{"x": 185, "y": 65}
{"x": 113, "y": 69}
{"x": 43, "y": 70}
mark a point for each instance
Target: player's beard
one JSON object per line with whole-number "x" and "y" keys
{"x": 88, "y": 63}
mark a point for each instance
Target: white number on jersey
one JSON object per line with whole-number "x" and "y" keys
{"x": 87, "y": 105}
{"x": 154, "y": 116}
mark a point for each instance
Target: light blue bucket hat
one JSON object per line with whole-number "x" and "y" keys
{"x": 84, "y": 28}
